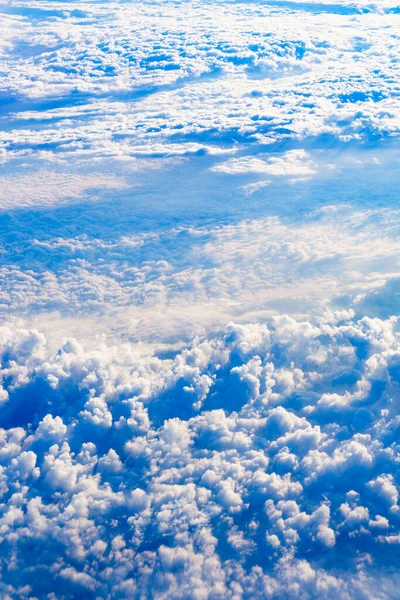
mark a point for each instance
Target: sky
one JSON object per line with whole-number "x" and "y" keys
{"x": 199, "y": 300}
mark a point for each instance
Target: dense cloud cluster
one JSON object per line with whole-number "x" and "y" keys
{"x": 261, "y": 462}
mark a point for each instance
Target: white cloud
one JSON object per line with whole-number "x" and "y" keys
{"x": 48, "y": 188}
{"x": 204, "y": 277}
{"x": 191, "y": 474}
{"x": 294, "y": 164}
{"x": 208, "y": 72}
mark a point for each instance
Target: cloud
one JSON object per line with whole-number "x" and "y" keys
{"x": 202, "y": 475}
{"x": 294, "y": 164}
{"x": 156, "y": 92}
{"x": 48, "y": 188}
{"x": 171, "y": 284}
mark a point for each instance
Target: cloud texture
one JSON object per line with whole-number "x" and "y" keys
{"x": 259, "y": 463}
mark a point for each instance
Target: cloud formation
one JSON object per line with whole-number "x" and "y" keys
{"x": 143, "y": 80}
{"x": 244, "y": 466}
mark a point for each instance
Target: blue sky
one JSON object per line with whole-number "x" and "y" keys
{"x": 200, "y": 357}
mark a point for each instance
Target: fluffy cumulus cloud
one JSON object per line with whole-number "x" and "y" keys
{"x": 199, "y": 300}
{"x": 258, "y": 463}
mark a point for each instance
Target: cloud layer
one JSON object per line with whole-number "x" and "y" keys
{"x": 142, "y": 79}
{"x": 260, "y": 463}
